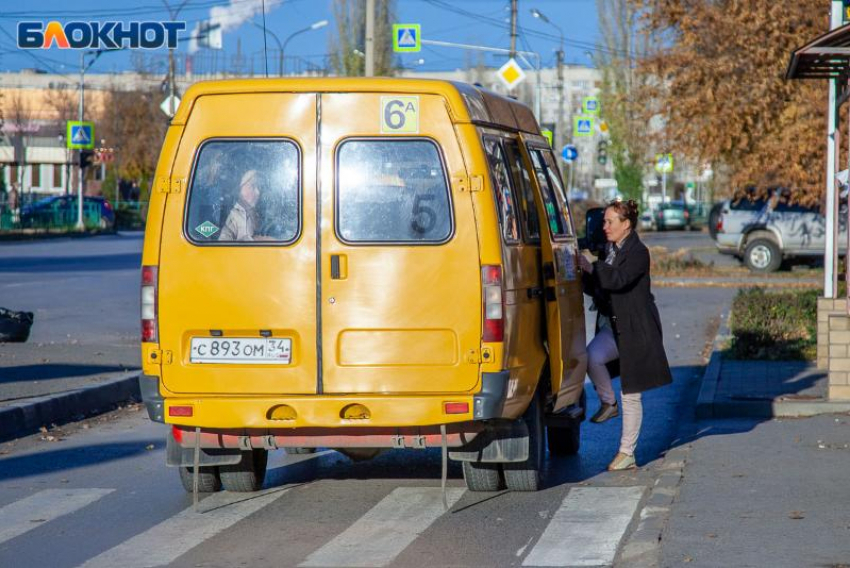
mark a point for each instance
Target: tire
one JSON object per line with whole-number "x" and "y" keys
{"x": 209, "y": 480}
{"x": 247, "y": 475}
{"x": 483, "y": 476}
{"x": 297, "y": 451}
{"x": 525, "y": 476}
{"x": 762, "y": 255}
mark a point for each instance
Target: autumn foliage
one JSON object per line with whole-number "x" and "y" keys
{"x": 717, "y": 78}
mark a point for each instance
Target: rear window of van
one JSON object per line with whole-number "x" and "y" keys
{"x": 392, "y": 191}
{"x": 245, "y": 191}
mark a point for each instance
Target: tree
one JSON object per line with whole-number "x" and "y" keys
{"x": 622, "y": 45}
{"x": 348, "y": 47}
{"x": 132, "y": 123}
{"x": 715, "y": 81}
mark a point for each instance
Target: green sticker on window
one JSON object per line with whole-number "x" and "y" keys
{"x": 207, "y": 229}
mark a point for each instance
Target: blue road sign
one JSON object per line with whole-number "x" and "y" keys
{"x": 569, "y": 153}
{"x": 79, "y": 135}
{"x": 406, "y": 38}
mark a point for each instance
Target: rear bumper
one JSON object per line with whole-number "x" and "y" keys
{"x": 326, "y": 411}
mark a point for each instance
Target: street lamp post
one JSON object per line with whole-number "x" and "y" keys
{"x": 279, "y": 48}
{"x": 559, "y": 119}
{"x": 311, "y": 27}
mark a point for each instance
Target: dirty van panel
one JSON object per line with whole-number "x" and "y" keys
{"x": 237, "y": 295}
{"x": 400, "y": 278}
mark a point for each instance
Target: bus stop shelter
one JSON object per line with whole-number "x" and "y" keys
{"x": 828, "y": 57}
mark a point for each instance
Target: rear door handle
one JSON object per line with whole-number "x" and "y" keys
{"x": 335, "y": 270}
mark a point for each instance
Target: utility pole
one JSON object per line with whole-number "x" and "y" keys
{"x": 513, "y": 27}
{"x": 830, "y": 261}
{"x": 80, "y": 225}
{"x": 370, "y": 38}
{"x": 173, "y": 13}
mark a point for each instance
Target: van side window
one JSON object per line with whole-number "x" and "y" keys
{"x": 392, "y": 191}
{"x": 554, "y": 213}
{"x": 524, "y": 192}
{"x": 557, "y": 184}
{"x": 502, "y": 189}
{"x": 244, "y": 191}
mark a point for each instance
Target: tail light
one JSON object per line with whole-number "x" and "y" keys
{"x": 720, "y": 224}
{"x": 107, "y": 205}
{"x": 687, "y": 215}
{"x": 494, "y": 306}
{"x": 149, "y": 304}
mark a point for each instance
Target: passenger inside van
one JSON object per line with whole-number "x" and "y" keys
{"x": 241, "y": 223}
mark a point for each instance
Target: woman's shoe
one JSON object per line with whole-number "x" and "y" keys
{"x": 622, "y": 461}
{"x": 606, "y": 412}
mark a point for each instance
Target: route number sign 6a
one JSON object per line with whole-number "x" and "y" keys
{"x": 399, "y": 115}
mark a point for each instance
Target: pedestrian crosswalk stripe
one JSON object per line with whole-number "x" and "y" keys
{"x": 386, "y": 530}
{"x": 587, "y": 528}
{"x": 32, "y": 512}
{"x": 164, "y": 543}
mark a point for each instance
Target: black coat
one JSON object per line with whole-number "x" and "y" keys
{"x": 622, "y": 290}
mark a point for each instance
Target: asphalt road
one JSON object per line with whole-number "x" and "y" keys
{"x": 99, "y": 494}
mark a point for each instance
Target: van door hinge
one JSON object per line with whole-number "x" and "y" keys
{"x": 171, "y": 184}
{"x": 468, "y": 183}
{"x": 159, "y": 357}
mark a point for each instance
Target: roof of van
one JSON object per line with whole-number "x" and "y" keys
{"x": 467, "y": 103}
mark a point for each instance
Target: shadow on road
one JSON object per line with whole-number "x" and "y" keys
{"x": 61, "y": 459}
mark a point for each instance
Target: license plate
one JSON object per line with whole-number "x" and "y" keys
{"x": 241, "y": 350}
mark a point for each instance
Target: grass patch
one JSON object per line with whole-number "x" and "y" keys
{"x": 774, "y": 325}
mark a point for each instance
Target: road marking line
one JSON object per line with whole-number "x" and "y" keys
{"x": 32, "y": 512}
{"x": 386, "y": 530}
{"x": 587, "y": 528}
{"x": 163, "y": 543}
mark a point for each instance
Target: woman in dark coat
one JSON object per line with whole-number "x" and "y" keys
{"x": 628, "y": 326}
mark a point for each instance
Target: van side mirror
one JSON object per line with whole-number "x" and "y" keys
{"x": 594, "y": 239}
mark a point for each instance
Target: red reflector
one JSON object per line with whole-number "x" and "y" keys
{"x": 456, "y": 407}
{"x": 494, "y": 330}
{"x": 177, "y": 433}
{"x": 180, "y": 411}
{"x": 149, "y": 331}
{"x": 149, "y": 276}
{"x": 491, "y": 274}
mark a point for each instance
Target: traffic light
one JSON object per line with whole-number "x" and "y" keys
{"x": 602, "y": 152}
{"x": 86, "y": 157}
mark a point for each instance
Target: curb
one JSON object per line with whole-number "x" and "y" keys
{"x": 24, "y": 418}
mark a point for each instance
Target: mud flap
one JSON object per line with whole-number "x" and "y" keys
{"x": 178, "y": 456}
{"x": 504, "y": 441}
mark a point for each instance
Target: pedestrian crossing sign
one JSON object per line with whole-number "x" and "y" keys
{"x": 79, "y": 135}
{"x": 407, "y": 38}
{"x": 664, "y": 163}
{"x": 583, "y": 126}
{"x": 590, "y": 105}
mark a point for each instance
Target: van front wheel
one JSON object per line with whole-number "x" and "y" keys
{"x": 248, "y": 474}
{"x": 525, "y": 476}
{"x": 482, "y": 476}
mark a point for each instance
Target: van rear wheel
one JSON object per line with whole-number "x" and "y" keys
{"x": 482, "y": 476}
{"x": 209, "y": 480}
{"x": 248, "y": 474}
{"x": 525, "y": 476}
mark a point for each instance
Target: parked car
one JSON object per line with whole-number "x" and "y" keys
{"x": 61, "y": 211}
{"x": 764, "y": 232}
{"x": 671, "y": 215}
{"x": 647, "y": 223}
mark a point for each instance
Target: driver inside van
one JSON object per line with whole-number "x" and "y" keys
{"x": 241, "y": 223}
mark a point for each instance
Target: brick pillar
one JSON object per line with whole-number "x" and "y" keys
{"x": 839, "y": 357}
{"x": 826, "y": 308}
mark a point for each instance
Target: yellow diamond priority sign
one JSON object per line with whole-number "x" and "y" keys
{"x": 511, "y": 74}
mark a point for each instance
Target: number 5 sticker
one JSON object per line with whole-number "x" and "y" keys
{"x": 400, "y": 115}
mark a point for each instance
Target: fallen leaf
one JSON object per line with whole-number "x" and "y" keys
{"x": 149, "y": 447}
{"x": 796, "y": 515}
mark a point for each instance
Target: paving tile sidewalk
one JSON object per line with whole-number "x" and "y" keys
{"x": 763, "y": 389}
